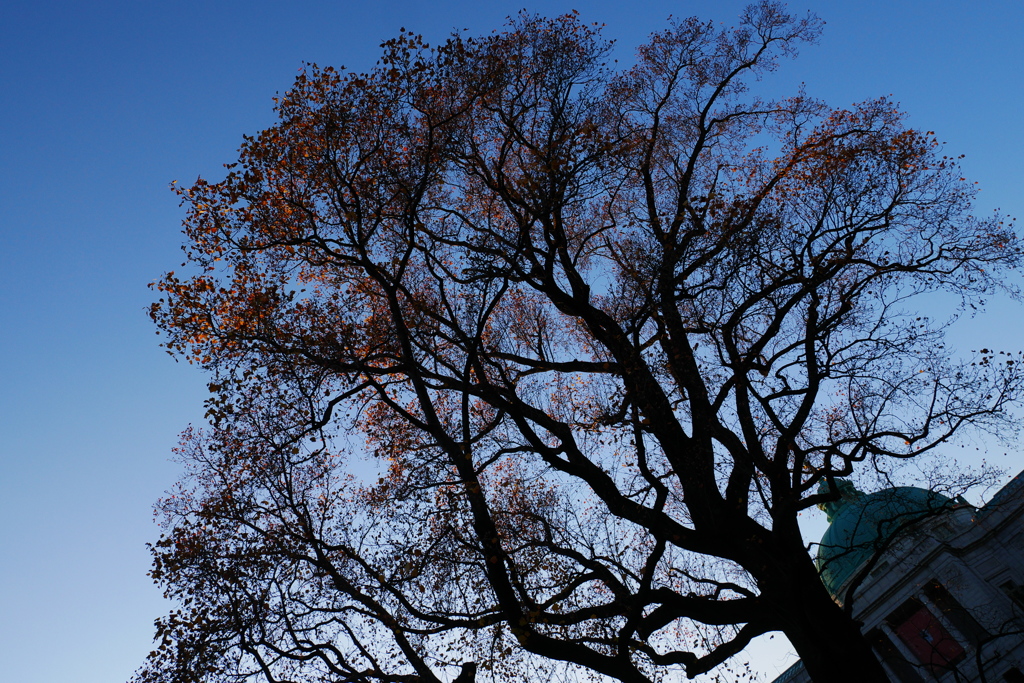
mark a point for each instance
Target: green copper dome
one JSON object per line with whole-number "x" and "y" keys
{"x": 861, "y": 524}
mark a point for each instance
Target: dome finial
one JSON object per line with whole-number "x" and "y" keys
{"x": 847, "y": 492}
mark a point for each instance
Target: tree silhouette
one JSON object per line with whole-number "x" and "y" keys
{"x": 524, "y": 366}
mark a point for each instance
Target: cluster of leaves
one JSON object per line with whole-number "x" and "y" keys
{"x": 597, "y": 346}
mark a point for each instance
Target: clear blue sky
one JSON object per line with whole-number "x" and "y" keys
{"x": 104, "y": 103}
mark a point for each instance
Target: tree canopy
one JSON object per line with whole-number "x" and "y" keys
{"x": 524, "y": 364}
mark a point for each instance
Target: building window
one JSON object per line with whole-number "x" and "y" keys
{"x": 925, "y": 636}
{"x": 1013, "y": 676}
{"x": 1014, "y": 592}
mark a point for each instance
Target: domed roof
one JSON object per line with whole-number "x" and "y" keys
{"x": 861, "y": 525}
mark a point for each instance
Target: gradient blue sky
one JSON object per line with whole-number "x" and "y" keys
{"x": 105, "y": 103}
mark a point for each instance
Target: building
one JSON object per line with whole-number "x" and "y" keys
{"x": 937, "y": 583}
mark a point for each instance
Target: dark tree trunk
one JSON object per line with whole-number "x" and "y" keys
{"x": 830, "y": 644}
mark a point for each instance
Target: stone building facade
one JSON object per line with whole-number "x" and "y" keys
{"x": 938, "y": 584}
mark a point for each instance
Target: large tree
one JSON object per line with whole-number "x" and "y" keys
{"x": 523, "y": 365}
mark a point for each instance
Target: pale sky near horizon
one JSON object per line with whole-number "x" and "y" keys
{"x": 105, "y": 103}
